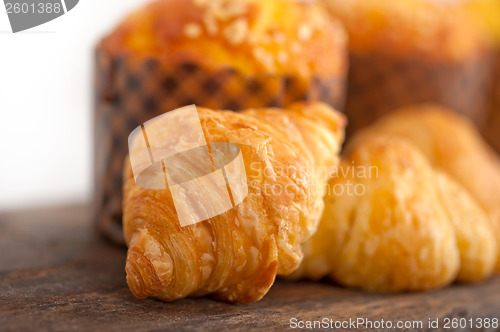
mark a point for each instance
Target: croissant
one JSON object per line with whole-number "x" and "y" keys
{"x": 392, "y": 223}
{"x": 235, "y": 256}
{"x": 452, "y": 145}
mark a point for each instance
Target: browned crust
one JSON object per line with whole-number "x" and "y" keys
{"x": 282, "y": 37}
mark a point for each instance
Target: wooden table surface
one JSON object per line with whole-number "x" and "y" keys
{"x": 56, "y": 274}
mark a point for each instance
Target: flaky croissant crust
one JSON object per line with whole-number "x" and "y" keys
{"x": 236, "y": 255}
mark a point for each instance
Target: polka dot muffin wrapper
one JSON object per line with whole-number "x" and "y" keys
{"x": 494, "y": 115}
{"x": 381, "y": 84}
{"x": 129, "y": 92}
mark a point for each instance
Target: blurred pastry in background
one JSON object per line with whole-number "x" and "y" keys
{"x": 235, "y": 256}
{"x": 487, "y": 15}
{"x": 413, "y": 51}
{"x": 222, "y": 54}
{"x": 392, "y": 223}
{"x": 452, "y": 145}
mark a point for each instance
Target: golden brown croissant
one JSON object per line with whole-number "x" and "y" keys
{"x": 236, "y": 255}
{"x": 474, "y": 231}
{"x": 391, "y": 223}
{"x": 453, "y": 146}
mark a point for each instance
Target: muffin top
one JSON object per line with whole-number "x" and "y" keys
{"x": 277, "y": 37}
{"x": 487, "y": 15}
{"x": 432, "y": 28}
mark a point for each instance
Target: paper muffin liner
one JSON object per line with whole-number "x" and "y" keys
{"x": 493, "y": 127}
{"x": 129, "y": 91}
{"x": 378, "y": 85}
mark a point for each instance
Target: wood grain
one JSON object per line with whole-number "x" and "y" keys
{"x": 56, "y": 274}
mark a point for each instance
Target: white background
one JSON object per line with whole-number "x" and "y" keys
{"x": 46, "y": 112}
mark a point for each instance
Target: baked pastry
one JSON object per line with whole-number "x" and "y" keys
{"x": 411, "y": 51}
{"x": 236, "y": 255}
{"x": 220, "y": 54}
{"x": 486, "y": 13}
{"x": 474, "y": 230}
{"x": 392, "y": 223}
{"x": 493, "y": 126}
{"x": 452, "y": 145}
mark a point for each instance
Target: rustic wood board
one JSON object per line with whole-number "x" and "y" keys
{"x": 56, "y": 274}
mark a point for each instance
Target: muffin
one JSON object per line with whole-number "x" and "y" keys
{"x": 224, "y": 54}
{"x": 493, "y": 127}
{"x": 412, "y": 51}
{"x": 487, "y": 14}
